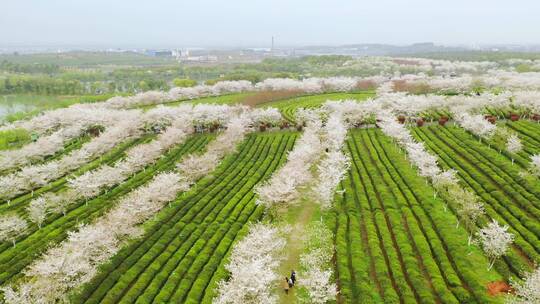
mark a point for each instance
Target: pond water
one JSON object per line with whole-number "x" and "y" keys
{"x": 9, "y": 107}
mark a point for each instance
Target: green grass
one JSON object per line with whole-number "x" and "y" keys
{"x": 13, "y": 139}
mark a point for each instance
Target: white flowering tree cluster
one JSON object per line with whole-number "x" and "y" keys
{"x": 203, "y": 115}
{"x": 267, "y": 116}
{"x": 11, "y": 227}
{"x": 284, "y": 184}
{"x": 194, "y": 167}
{"x": 31, "y": 177}
{"x": 253, "y": 267}
{"x": 93, "y": 182}
{"x": 315, "y": 275}
{"x": 71, "y": 124}
{"x": 476, "y": 124}
{"x": 529, "y": 100}
{"x": 495, "y": 240}
{"x": 535, "y": 165}
{"x": 86, "y": 114}
{"x": 513, "y": 145}
{"x": 466, "y": 82}
{"x": 38, "y": 150}
{"x": 308, "y": 85}
{"x": 133, "y": 124}
{"x": 352, "y": 112}
{"x": 156, "y": 97}
{"x": 138, "y": 157}
{"x": 37, "y": 210}
{"x": 75, "y": 261}
{"x": 528, "y": 290}
{"x": 334, "y": 163}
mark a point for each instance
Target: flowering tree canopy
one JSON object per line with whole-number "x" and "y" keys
{"x": 495, "y": 240}
{"x": 527, "y": 291}
{"x": 252, "y": 268}
{"x": 11, "y": 226}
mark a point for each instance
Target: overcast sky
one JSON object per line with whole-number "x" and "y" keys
{"x": 253, "y": 22}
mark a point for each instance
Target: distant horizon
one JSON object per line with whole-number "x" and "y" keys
{"x": 213, "y": 23}
{"x": 127, "y": 47}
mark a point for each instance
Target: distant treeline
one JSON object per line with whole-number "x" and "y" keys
{"x": 28, "y": 68}
{"x": 479, "y": 55}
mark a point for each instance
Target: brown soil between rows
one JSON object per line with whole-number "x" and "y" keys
{"x": 498, "y": 287}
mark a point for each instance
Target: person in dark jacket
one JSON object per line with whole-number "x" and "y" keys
{"x": 293, "y": 276}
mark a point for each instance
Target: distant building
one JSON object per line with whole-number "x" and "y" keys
{"x": 159, "y": 53}
{"x": 204, "y": 58}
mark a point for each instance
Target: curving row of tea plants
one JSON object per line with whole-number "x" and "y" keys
{"x": 180, "y": 257}
{"x": 395, "y": 242}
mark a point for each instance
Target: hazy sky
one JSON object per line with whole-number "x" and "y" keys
{"x": 253, "y": 22}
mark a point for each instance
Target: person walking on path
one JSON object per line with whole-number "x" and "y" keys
{"x": 293, "y": 277}
{"x": 286, "y": 285}
{"x": 291, "y": 284}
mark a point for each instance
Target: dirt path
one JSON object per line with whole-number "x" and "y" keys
{"x": 298, "y": 217}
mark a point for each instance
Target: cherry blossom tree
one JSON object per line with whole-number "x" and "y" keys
{"x": 513, "y": 145}
{"x": 268, "y": 116}
{"x": 535, "y": 165}
{"x": 528, "y": 290}
{"x": 194, "y": 167}
{"x": 252, "y": 268}
{"x": 444, "y": 180}
{"x": 334, "y": 163}
{"x": 316, "y": 266}
{"x": 37, "y": 210}
{"x": 284, "y": 184}
{"x": 469, "y": 210}
{"x": 476, "y": 124}
{"x": 11, "y": 227}
{"x": 59, "y": 203}
{"x": 495, "y": 240}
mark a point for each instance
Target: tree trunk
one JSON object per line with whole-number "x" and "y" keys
{"x": 491, "y": 264}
